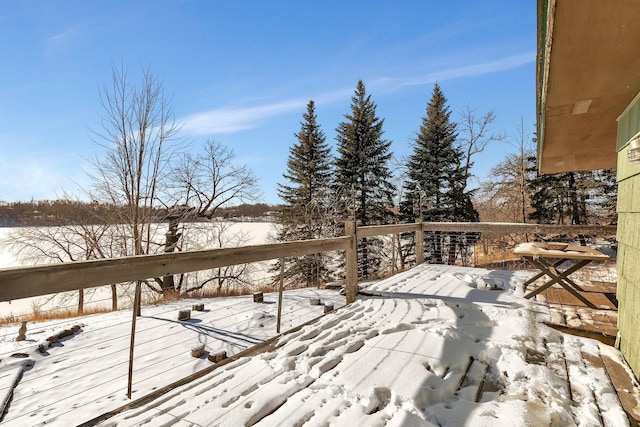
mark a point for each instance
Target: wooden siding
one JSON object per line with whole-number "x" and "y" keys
{"x": 628, "y": 123}
{"x": 628, "y": 263}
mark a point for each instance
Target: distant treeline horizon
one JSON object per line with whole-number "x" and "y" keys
{"x": 66, "y": 212}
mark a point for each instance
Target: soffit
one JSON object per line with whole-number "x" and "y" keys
{"x": 593, "y": 73}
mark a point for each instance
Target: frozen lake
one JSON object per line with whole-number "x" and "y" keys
{"x": 254, "y": 233}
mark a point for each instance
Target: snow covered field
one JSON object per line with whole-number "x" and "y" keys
{"x": 256, "y": 233}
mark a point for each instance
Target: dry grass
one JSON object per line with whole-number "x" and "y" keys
{"x": 492, "y": 257}
{"x": 41, "y": 316}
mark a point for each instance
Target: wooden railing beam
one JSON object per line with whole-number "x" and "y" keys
{"x": 351, "y": 261}
{"x": 419, "y": 242}
{"x": 379, "y": 230}
{"x": 507, "y": 227}
{"x": 24, "y": 282}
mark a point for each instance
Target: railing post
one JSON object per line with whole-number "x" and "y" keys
{"x": 393, "y": 253}
{"x": 419, "y": 243}
{"x": 351, "y": 262}
{"x": 136, "y": 313}
{"x": 280, "y": 288}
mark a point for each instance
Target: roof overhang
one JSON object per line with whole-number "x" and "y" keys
{"x": 588, "y": 71}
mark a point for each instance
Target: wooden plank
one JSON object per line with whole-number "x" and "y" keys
{"x": 566, "y": 298}
{"x": 351, "y": 262}
{"x": 627, "y": 388}
{"x": 600, "y": 301}
{"x": 488, "y": 227}
{"x": 557, "y": 364}
{"x": 603, "y": 287}
{"x": 557, "y": 316}
{"x": 507, "y": 227}
{"x": 379, "y": 230}
{"x": 24, "y": 282}
{"x": 419, "y": 245}
{"x": 556, "y": 295}
{"x": 552, "y": 295}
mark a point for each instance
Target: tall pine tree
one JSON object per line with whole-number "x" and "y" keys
{"x": 363, "y": 176}
{"x": 305, "y": 212}
{"x": 435, "y": 185}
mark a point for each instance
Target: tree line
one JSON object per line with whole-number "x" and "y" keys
{"x": 363, "y": 182}
{"x": 57, "y": 212}
{"x": 516, "y": 192}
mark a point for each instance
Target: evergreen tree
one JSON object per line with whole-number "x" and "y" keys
{"x": 606, "y": 195}
{"x": 363, "y": 177}
{"x": 436, "y": 181}
{"x": 572, "y": 197}
{"x": 305, "y": 212}
{"x": 433, "y": 164}
{"x": 546, "y": 205}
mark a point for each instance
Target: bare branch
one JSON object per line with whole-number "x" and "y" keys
{"x": 475, "y": 136}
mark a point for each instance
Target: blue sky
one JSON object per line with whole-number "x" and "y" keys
{"x": 242, "y": 72}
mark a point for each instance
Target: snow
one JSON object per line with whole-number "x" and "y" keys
{"x": 85, "y": 374}
{"x": 433, "y": 346}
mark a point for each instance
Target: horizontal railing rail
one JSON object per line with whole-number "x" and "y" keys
{"x": 508, "y": 227}
{"x": 379, "y": 230}
{"x": 25, "y": 282}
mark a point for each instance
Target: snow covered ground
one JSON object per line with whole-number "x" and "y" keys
{"x": 436, "y": 345}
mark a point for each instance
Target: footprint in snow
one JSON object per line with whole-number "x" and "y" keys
{"x": 354, "y": 346}
{"x": 400, "y": 327}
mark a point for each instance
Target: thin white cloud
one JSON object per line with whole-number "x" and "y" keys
{"x": 236, "y": 119}
{"x": 60, "y": 41}
{"x": 231, "y": 120}
{"x": 473, "y": 70}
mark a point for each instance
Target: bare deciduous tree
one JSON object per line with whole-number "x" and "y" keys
{"x": 208, "y": 180}
{"x": 504, "y": 195}
{"x": 214, "y": 234}
{"x": 141, "y": 172}
{"x": 473, "y": 138}
{"x": 139, "y": 136}
{"x": 64, "y": 242}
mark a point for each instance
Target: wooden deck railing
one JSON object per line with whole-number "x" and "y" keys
{"x": 24, "y": 282}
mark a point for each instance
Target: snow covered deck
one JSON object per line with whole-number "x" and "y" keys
{"x": 84, "y": 375}
{"x": 434, "y": 346}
